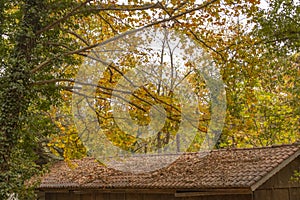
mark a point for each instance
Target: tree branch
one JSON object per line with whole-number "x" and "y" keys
{"x": 121, "y": 8}
{"x": 45, "y": 63}
{"x": 55, "y": 23}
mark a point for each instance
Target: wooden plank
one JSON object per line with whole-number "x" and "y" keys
{"x": 219, "y": 197}
{"x": 117, "y": 196}
{"x": 55, "y": 196}
{"x": 134, "y": 196}
{"x": 294, "y": 193}
{"x": 280, "y": 194}
{"x": 63, "y": 196}
{"x": 153, "y": 197}
{"x": 100, "y": 196}
{"x": 263, "y": 194}
{"x": 50, "y": 196}
{"x": 141, "y": 191}
{"x": 86, "y": 197}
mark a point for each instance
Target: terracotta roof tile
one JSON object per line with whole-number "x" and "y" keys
{"x": 218, "y": 169}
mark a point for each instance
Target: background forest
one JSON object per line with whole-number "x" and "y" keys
{"x": 43, "y": 43}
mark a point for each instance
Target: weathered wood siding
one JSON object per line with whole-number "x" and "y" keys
{"x": 135, "y": 196}
{"x": 280, "y": 186}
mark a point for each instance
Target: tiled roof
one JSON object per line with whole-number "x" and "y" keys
{"x": 227, "y": 168}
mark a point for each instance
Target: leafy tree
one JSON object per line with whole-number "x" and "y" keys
{"x": 263, "y": 80}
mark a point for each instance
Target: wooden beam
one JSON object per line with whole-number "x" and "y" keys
{"x": 144, "y": 191}
{"x": 211, "y": 192}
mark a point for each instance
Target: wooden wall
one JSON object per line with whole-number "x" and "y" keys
{"x": 136, "y": 196}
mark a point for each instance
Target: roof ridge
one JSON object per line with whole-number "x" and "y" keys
{"x": 259, "y": 147}
{"x": 208, "y": 150}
